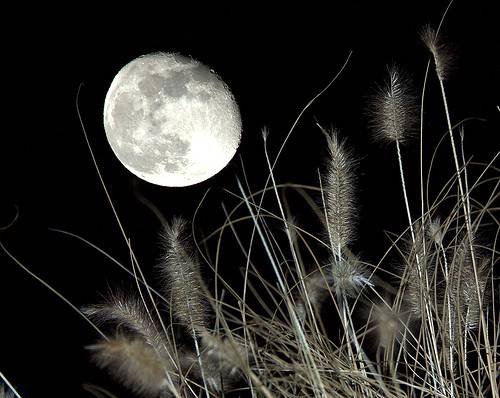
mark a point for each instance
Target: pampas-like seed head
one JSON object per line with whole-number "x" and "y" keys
{"x": 440, "y": 53}
{"x": 222, "y": 359}
{"x": 133, "y": 363}
{"x": 339, "y": 191}
{"x": 349, "y": 275}
{"x": 466, "y": 305}
{"x": 472, "y": 300}
{"x": 128, "y": 312}
{"x": 393, "y": 108}
{"x": 184, "y": 286}
{"x": 388, "y": 324}
{"x": 435, "y": 231}
{"x": 419, "y": 266}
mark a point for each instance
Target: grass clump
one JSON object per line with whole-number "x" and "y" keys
{"x": 310, "y": 327}
{"x": 312, "y": 317}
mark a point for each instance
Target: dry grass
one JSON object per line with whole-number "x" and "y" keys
{"x": 313, "y": 318}
{"x": 310, "y": 328}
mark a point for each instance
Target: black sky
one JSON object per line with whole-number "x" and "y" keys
{"x": 275, "y": 61}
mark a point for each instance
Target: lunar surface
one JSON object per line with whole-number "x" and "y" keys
{"x": 171, "y": 120}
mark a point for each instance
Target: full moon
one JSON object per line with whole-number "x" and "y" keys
{"x": 171, "y": 120}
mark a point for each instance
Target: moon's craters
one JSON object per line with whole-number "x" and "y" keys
{"x": 171, "y": 120}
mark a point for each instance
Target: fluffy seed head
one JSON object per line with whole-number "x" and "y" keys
{"x": 472, "y": 300}
{"x": 435, "y": 231}
{"x": 339, "y": 191}
{"x": 133, "y": 363}
{"x": 440, "y": 53}
{"x": 393, "y": 108}
{"x": 183, "y": 282}
{"x": 388, "y": 324}
{"x": 419, "y": 258}
{"x": 127, "y": 312}
{"x": 465, "y": 297}
{"x": 221, "y": 360}
{"x": 349, "y": 275}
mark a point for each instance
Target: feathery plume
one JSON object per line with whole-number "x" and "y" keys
{"x": 441, "y": 54}
{"x": 419, "y": 270}
{"x": 129, "y": 312}
{"x": 464, "y": 293}
{"x": 180, "y": 270}
{"x": 339, "y": 192}
{"x": 231, "y": 353}
{"x": 472, "y": 300}
{"x": 393, "y": 108}
{"x": 349, "y": 275}
{"x": 221, "y": 361}
{"x": 388, "y": 324}
{"x": 133, "y": 363}
{"x": 435, "y": 231}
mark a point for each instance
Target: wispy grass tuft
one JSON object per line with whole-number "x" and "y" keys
{"x": 128, "y": 313}
{"x": 154, "y": 360}
{"x": 183, "y": 284}
{"x": 339, "y": 191}
{"x": 466, "y": 299}
{"x": 393, "y": 108}
{"x": 134, "y": 363}
{"x": 418, "y": 261}
{"x": 441, "y": 53}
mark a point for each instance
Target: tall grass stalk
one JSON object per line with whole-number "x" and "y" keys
{"x": 393, "y": 118}
{"x": 442, "y": 58}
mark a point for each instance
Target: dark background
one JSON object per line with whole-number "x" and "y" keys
{"x": 275, "y": 61}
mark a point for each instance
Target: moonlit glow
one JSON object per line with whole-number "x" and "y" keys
{"x": 171, "y": 120}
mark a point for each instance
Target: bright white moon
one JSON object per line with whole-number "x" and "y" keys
{"x": 171, "y": 120}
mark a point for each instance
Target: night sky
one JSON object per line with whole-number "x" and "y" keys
{"x": 274, "y": 61}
